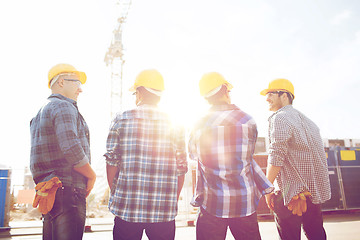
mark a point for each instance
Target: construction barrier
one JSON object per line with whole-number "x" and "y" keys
{"x": 344, "y": 172}
{"x": 349, "y": 164}
{"x": 336, "y": 201}
{"x": 5, "y": 180}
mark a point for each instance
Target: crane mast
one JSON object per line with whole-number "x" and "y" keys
{"x": 114, "y": 58}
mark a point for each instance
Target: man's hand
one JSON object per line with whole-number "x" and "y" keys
{"x": 111, "y": 173}
{"x": 271, "y": 173}
{"x": 89, "y": 173}
{"x": 90, "y": 185}
{"x": 270, "y": 200}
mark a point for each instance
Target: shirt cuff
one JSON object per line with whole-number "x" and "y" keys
{"x": 275, "y": 161}
{"x": 269, "y": 190}
{"x": 111, "y": 159}
{"x": 181, "y": 172}
{"x": 111, "y": 163}
{"x": 82, "y": 162}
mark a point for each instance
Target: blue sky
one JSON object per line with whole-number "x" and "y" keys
{"x": 315, "y": 44}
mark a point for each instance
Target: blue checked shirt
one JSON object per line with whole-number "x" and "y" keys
{"x": 229, "y": 181}
{"x": 59, "y": 141}
{"x": 150, "y": 155}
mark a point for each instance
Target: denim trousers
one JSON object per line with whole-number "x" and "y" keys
{"x": 289, "y": 225}
{"x": 209, "y": 227}
{"x": 66, "y": 221}
{"x": 124, "y": 230}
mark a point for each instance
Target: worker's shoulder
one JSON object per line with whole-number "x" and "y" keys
{"x": 233, "y": 117}
{"x": 241, "y": 115}
{"x": 61, "y": 106}
{"x": 284, "y": 115}
{"x": 143, "y": 113}
{"x": 54, "y": 105}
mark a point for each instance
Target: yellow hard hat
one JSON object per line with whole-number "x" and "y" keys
{"x": 279, "y": 84}
{"x": 210, "y": 81}
{"x": 150, "y": 78}
{"x": 65, "y": 68}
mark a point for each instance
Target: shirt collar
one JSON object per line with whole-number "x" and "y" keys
{"x": 59, "y": 96}
{"x": 224, "y": 107}
{"x": 287, "y": 107}
{"x": 147, "y": 106}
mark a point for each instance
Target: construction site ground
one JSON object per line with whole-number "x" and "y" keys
{"x": 338, "y": 225}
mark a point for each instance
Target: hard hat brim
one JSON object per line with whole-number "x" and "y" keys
{"x": 82, "y": 77}
{"x": 266, "y": 91}
{"x": 229, "y": 86}
{"x": 133, "y": 88}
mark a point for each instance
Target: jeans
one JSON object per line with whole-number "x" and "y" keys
{"x": 66, "y": 220}
{"x": 289, "y": 225}
{"x": 209, "y": 227}
{"x": 133, "y": 231}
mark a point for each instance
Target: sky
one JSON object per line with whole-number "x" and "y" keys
{"x": 314, "y": 44}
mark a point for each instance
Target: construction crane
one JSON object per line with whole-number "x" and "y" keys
{"x": 114, "y": 58}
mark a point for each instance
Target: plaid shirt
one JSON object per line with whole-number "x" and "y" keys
{"x": 296, "y": 146}
{"x": 150, "y": 155}
{"x": 59, "y": 141}
{"x": 229, "y": 182}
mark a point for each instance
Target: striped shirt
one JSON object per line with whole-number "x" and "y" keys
{"x": 150, "y": 155}
{"x": 296, "y": 146}
{"x": 59, "y": 141}
{"x": 229, "y": 182}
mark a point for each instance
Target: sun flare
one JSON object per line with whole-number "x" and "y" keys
{"x": 183, "y": 111}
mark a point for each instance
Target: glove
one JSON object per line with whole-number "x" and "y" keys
{"x": 45, "y": 194}
{"x": 298, "y": 203}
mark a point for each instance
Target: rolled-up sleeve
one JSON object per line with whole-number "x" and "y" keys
{"x": 180, "y": 151}
{"x": 262, "y": 183}
{"x": 112, "y": 154}
{"x": 192, "y": 146}
{"x": 65, "y": 124}
{"x": 280, "y": 133}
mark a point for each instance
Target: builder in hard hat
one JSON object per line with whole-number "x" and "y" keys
{"x": 298, "y": 162}
{"x": 229, "y": 182}
{"x": 60, "y": 156}
{"x": 146, "y": 164}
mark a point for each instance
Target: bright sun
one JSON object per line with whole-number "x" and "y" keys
{"x": 184, "y": 109}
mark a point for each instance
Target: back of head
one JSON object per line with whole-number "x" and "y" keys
{"x": 211, "y": 82}
{"x": 149, "y": 84}
{"x": 148, "y": 97}
{"x": 213, "y": 87}
{"x": 219, "y": 97}
{"x": 149, "y": 78}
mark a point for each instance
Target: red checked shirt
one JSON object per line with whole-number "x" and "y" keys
{"x": 229, "y": 182}
{"x": 296, "y": 146}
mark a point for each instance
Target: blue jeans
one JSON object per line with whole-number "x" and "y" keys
{"x": 209, "y": 227}
{"x": 66, "y": 220}
{"x": 289, "y": 225}
{"x": 133, "y": 231}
